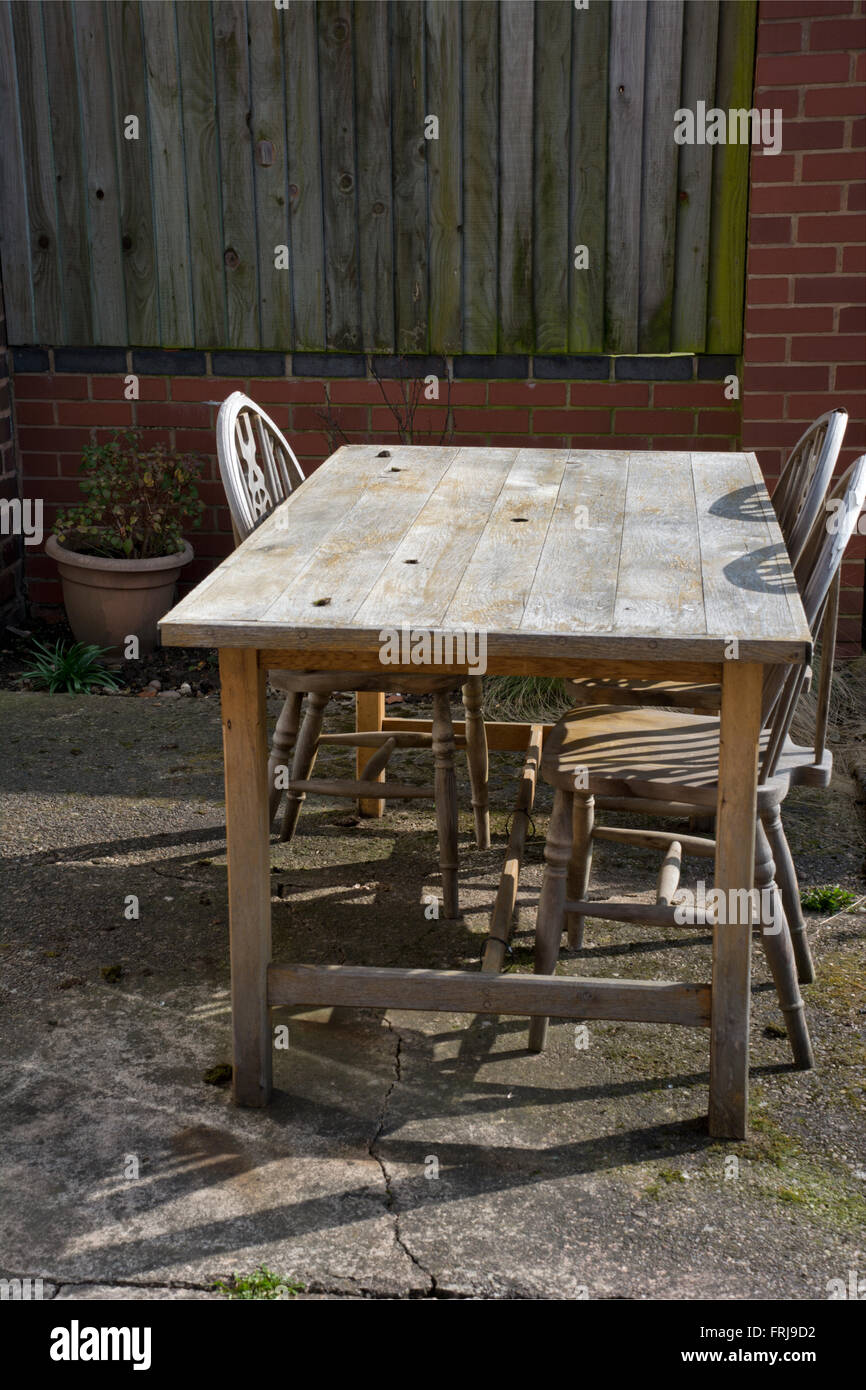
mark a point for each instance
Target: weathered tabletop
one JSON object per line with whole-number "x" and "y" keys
{"x": 553, "y": 553}
{"x": 570, "y": 561}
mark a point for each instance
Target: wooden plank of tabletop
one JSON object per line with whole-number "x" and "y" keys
{"x": 418, "y": 582}
{"x": 493, "y": 590}
{"x": 574, "y": 588}
{"x": 659, "y": 586}
{"x": 743, "y": 565}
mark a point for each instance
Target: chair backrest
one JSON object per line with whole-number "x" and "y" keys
{"x": 257, "y": 465}
{"x": 801, "y": 489}
{"x": 817, "y": 575}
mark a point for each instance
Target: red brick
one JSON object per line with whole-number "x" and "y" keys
{"x": 853, "y": 319}
{"x": 43, "y": 387}
{"x": 800, "y": 9}
{"x": 759, "y": 405}
{"x": 841, "y": 35}
{"x": 502, "y": 421}
{"x": 770, "y": 231}
{"x": 860, "y": 72}
{"x": 348, "y": 417}
{"x": 616, "y": 393}
{"x": 542, "y": 393}
{"x": 168, "y": 413}
{"x": 858, "y": 134}
{"x": 105, "y": 413}
{"x": 202, "y": 388}
{"x": 782, "y": 38}
{"x": 813, "y": 135}
{"x": 280, "y": 390}
{"x": 854, "y": 258}
{"x": 470, "y": 441}
{"x": 786, "y": 260}
{"x": 830, "y": 289}
{"x": 718, "y": 421}
{"x": 112, "y": 388}
{"x": 765, "y": 349}
{"x": 850, "y": 378}
{"x": 61, "y": 490}
{"x": 570, "y": 422}
{"x": 856, "y": 200}
{"x": 669, "y": 421}
{"x": 35, "y": 413}
{"x": 802, "y": 197}
{"x": 842, "y": 227}
{"x": 789, "y": 320}
{"x": 50, "y": 440}
{"x": 311, "y": 445}
{"x": 718, "y": 443}
{"x": 803, "y": 68}
{"x": 836, "y": 101}
{"x": 809, "y": 405}
{"x": 352, "y": 392}
{"x": 848, "y": 164}
{"x": 688, "y": 395}
{"x": 779, "y": 168}
{"x": 193, "y": 441}
{"x": 775, "y": 289}
{"x": 786, "y": 100}
{"x": 772, "y": 433}
{"x": 835, "y": 347}
{"x": 852, "y": 574}
{"x": 42, "y": 465}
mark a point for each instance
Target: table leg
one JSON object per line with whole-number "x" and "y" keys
{"x": 369, "y": 713}
{"x": 735, "y": 866}
{"x": 245, "y": 750}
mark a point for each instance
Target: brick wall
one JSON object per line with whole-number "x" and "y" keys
{"x": 11, "y": 548}
{"x": 805, "y": 338}
{"x": 66, "y": 398}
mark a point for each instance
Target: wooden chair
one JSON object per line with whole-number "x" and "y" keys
{"x": 798, "y": 498}
{"x": 665, "y": 763}
{"x": 259, "y": 470}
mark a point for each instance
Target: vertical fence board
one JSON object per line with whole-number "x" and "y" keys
{"x": 76, "y": 267}
{"x": 664, "y": 41}
{"x": 375, "y": 201}
{"x": 339, "y": 177}
{"x": 551, "y": 256}
{"x": 167, "y": 162}
{"x": 198, "y": 84}
{"x": 736, "y": 56}
{"x": 444, "y": 170}
{"x": 625, "y": 116}
{"x": 300, "y": 50}
{"x": 695, "y": 181}
{"x": 516, "y": 48}
{"x": 480, "y": 74}
{"x": 410, "y": 176}
{"x": 236, "y": 173}
{"x": 271, "y": 181}
{"x": 101, "y": 188}
{"x": 126, "y": 71}
{"x": 588, "y": 196}
{"x": 14, "y": 227}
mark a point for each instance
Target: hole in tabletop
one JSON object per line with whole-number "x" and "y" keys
{"x": 520, "y": 518}
{"x": 320, "y": 602}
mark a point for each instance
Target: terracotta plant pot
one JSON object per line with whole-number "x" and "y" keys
{"x": 109, "y": 600}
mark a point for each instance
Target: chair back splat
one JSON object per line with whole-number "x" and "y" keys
{"x": 256, "y": 462}
{"x": 817, "y": 574}
{"x": 806, "y": 477}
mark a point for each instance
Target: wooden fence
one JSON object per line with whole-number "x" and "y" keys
{"x": 306, "y": 128}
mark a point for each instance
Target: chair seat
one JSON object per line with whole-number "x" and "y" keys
{"x": 323, "y": 682}
{"x": 660, "y": 754}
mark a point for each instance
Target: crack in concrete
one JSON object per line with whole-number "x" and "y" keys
{"x": 431, "y": 1290}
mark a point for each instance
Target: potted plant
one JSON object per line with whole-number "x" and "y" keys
{"x": 121, "y": 550}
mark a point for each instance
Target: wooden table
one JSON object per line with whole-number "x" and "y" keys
{"x": 572, "y": 562}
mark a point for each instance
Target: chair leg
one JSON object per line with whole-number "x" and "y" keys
{"x": 780, "y": 956}
{"x": 285, "y": 735}
{"x": 302, "y": 763}
{"x": 476, "y": 755}
{"x": 551, "y": 903}
{"x": 786, "y": 877}
{"x": 580, "y": 863}
{"x": 445, "y": 786}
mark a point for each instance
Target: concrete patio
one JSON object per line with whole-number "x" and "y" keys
{"x": 405, "y": 1155}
